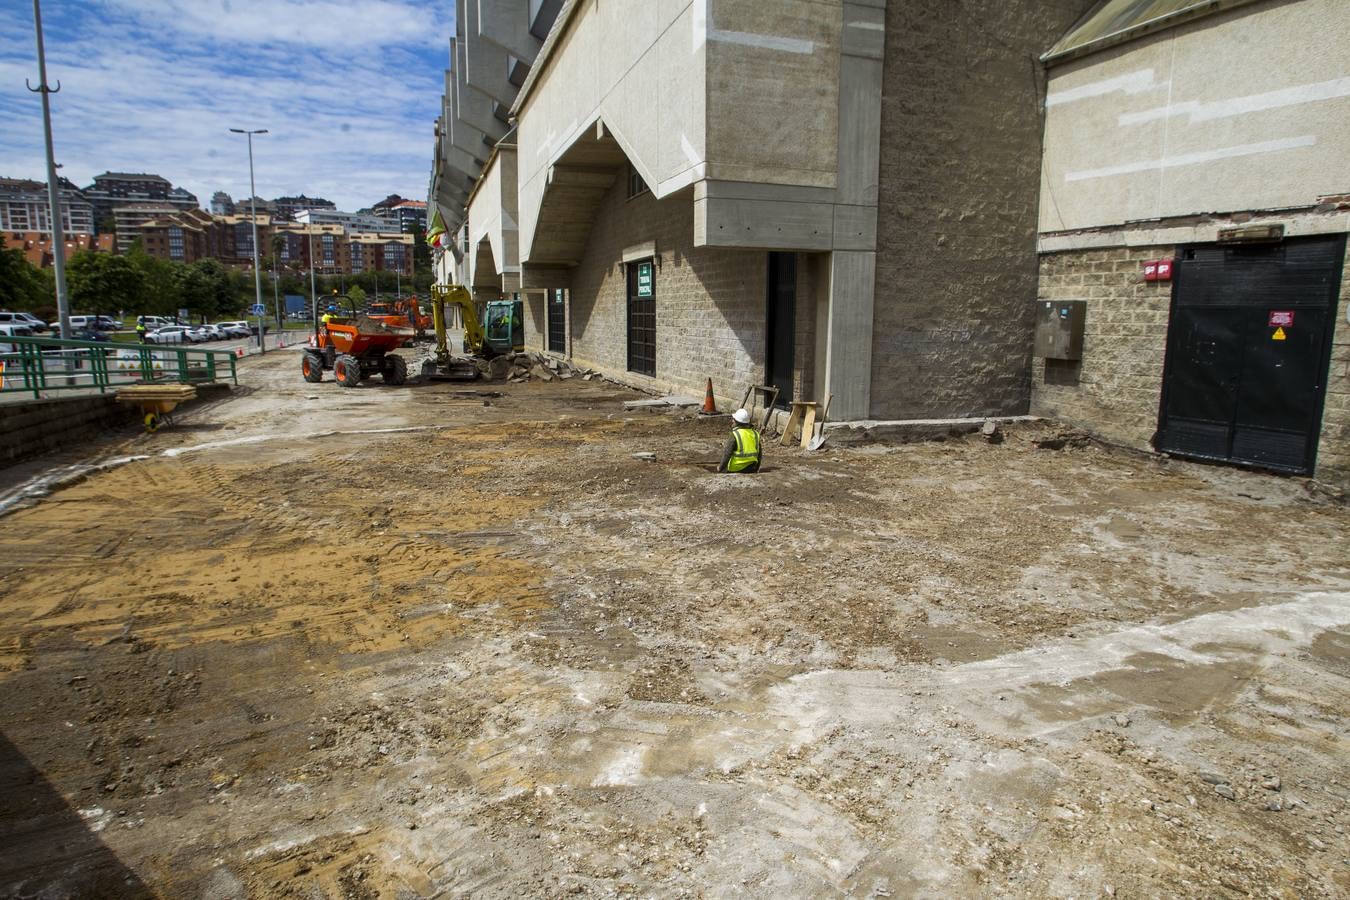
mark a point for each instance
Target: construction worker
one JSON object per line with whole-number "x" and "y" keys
{"x": 140, "y": 332}
{"x": 329, "y": 315}
{"x": 741, "y": 452}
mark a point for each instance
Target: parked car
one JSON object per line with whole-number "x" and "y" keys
{"x": 108, "y": 323}
{"x": 249, "y": 329}
{"x": 87, "y": 334}
{"x": 234, "y": 329}
{"x": 212, "y": 332}
{"x": 174, "y": 334}
{"x": 153, "y": 322}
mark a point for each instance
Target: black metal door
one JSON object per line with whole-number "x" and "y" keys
{"x": 642, "y": 317}
{"x": 557, "y": 321}
{"x": 1247, "y": 352}
{"x": 782, "y": 331}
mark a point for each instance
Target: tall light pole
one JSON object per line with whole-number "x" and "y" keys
{"x": 253, "y": 214}
{"x": 53, "y": 189}
{"x": 313, "y": 293}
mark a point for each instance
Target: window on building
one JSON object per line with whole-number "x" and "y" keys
{"x": 636, "y": 186}
{"x": 175, "y": 243}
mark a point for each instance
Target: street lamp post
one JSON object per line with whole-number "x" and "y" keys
{"x": 253, "y": 214}
{"x": 313, "y": 294}
{"x": 53, "y": 188}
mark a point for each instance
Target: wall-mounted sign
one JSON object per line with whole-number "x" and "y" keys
{"x": 1281, "y": 318}
{"x": 1158, "y": 270}
{"x": 644, "y": 279}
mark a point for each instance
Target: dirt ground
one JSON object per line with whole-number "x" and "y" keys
{"x": 398, "y": 642}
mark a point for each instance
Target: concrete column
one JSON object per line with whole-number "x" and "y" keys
{"x": 848, "y": 333}
{"x": 853, "y": 272}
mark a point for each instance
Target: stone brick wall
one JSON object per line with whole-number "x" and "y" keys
{"x": 1115, "y": 389}
{"x": 959, "y": 187}
{"x": 1333, "y": 451}
{"x": 33, "y": 427}
{"x": 710, "y": 303}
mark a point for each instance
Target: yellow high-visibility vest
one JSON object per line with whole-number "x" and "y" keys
{"x": 746, "y": 453}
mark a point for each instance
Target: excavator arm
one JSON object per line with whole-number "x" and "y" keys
{"x": 446, "y": 366}
{"x": 443, "y": 295}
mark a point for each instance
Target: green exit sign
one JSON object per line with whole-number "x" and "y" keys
{"x": 644, "y": 279}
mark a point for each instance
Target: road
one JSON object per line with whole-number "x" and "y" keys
{"x": 428, "y": 641}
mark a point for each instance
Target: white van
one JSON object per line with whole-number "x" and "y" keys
{"x": 84, "y": 321}
{"x": 24, "y": 320}
{"x": 153, "y": 322}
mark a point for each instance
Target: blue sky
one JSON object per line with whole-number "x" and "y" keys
{"x": 349, "y": 89}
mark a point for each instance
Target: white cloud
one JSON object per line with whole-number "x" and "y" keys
{"x": 350, "y": 126}
{"x": 316, "y": 23}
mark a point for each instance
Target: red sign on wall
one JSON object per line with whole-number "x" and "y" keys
{"x": 1158, "y": 270}
{"x": 1281, "y": 318}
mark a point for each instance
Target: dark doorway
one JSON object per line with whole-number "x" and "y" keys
{"x": 780, "y": 345}
{"x": 642, "y": 317}
{"x": 557, "y": 321}
{"x": 1247, "y": 352}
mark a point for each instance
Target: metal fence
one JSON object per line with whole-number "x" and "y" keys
{"x": 40, "y": 365}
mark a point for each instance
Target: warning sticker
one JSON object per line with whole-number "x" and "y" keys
{"x": 1281, "y": 318}
{"x": 1278, "y": 335}
{"x": 2, "y": 376}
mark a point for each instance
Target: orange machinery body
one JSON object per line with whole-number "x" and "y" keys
{"x": 404, "y": 314}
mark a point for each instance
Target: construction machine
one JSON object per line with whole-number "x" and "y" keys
{"x": 354, "y": 346}
{"x": 499, "y": 331}
{"x": 405, "y": 313}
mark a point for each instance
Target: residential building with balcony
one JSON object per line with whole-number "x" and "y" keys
{"x": 24, "y": 207}
{"x": 123, "y": 189}
{"x": 380, "y": 252}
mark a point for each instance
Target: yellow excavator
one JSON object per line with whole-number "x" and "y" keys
{"x": 501, "y": 330}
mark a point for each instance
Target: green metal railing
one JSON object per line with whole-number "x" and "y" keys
{"x": 38, "y": 365}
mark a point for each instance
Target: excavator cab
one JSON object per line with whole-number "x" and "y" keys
{"x": 503, "y": 327}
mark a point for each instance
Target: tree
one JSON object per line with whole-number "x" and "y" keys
{"x": 161, "y": 282}
{"x": 357, "y": 296}
{"x": 22, "y": 286}
{"x": 207, "y": 288}
{"x": 103, "y": 284}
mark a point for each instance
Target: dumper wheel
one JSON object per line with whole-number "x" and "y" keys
{"x": 395, "y": 370}
{"x": 312, "y": 367}
{"x": 347, "y": 369}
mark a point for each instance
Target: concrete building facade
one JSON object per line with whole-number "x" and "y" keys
{"x": 822, "y": 196}
{"x": 1216, "y": 141}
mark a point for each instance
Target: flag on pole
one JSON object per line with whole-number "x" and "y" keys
{"x": 437, "y": 229}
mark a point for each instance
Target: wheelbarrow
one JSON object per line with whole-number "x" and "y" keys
{"x": 156, "y": 401}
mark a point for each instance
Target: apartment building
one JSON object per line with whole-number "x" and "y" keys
{"x": 37, "y": 245}
{"x": 24, "y": 207}
{"x": 133, "y": 189}
{"x": 367, "y": 222}
{"x": 183, "y": 237}
{"x": 379, "y": 252}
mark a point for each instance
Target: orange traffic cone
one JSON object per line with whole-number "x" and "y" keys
{"x": 709, "y": 405}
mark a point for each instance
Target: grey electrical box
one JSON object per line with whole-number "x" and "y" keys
{"x": 1059, "y": 328}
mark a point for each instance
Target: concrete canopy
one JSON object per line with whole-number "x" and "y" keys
{"x": 577, "y": 183}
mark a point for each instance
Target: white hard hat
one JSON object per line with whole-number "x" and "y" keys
{"x": 741, "y": 416}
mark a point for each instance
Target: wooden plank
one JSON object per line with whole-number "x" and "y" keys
{"x": 792, "y": 423}
{"x": 808, "y": 426}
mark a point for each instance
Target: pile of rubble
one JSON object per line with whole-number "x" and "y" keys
{"x": 521, "y": 367}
